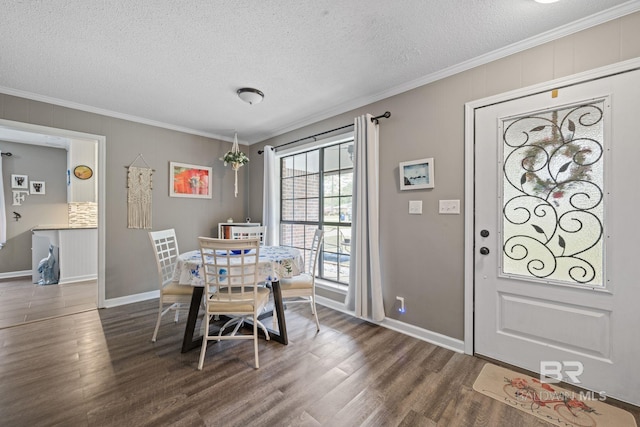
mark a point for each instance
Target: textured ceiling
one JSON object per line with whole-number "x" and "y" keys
{"x": 180, "y": 62}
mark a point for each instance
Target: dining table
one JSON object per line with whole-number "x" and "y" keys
{"x": 274, "y": 263}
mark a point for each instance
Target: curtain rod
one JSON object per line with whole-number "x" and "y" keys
{"x": 375, "y": 119}
{"x": 7, "y": 154}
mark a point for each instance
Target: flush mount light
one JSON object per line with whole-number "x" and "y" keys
{"x": 546, "y": 1}
{"x": 250, "y": 95}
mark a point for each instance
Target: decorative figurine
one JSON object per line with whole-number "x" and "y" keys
{"x": 47, "y": 270}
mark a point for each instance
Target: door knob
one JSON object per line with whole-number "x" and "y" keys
{"x": 484, "y": 233}
{"x": 484, "y": 251}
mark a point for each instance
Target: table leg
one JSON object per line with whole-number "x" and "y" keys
{"x": 279, "y": 306}
{"x": 188, "y": 343}
{"x": 280, "y": 335}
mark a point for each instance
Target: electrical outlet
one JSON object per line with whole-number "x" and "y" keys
{"x": 402, "y": 308}
{"x": 449, "y": 207}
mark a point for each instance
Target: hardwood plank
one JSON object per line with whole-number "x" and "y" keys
{"x": 99, "y": 368}
{"x": 22, "y": 301}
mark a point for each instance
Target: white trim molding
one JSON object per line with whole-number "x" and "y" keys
{"x": 108, "y": 113}
{"x": 395, "y": 325}
{"x": 14, "y": 274}
{"x": 424, "y": 335}
{"x": 557, "y": 33}
{"x": 130, "y": 299}
{"x": 404, "y": 328}
{"x": 334, "y": 305}
{"x": 78, "y": 279}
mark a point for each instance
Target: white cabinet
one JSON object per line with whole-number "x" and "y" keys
{"x": 76, "y": 250}
{"x": 82, "y": 160}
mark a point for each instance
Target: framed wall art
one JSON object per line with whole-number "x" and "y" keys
{"x": 20, "y": 181}
{"x": 187, "y": 180}
{"x": 416, "y": 174}
{"x": 82, "y": 172}
{"x": 37, "y": 187}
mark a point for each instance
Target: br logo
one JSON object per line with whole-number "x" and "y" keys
{"x": 551, "y": 371}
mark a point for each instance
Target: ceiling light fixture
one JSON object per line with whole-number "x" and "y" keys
{"x": 546, "y": 1}
{"x": 250, "y": 95}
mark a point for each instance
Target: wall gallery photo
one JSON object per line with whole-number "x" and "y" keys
{"x": 20, "y": 181}
{"x": 38, "y": 187}
{"x": 416, "y": 174}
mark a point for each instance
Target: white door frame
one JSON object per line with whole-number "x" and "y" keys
{"x": 469, "y": 167}
{"x": 101, "y": 140}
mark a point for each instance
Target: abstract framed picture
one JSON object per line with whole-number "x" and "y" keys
{"x": 37, "y": 187}
{"x": 417, "y": 174}
{"x": 187, "y": 180}
{"x": 20, "y": 181}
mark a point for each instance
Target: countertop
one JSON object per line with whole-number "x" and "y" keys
{"x": 61, "y": 227}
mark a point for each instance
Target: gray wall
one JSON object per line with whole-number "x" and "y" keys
{"x": 422, "y": 255}
{"x": 40, "y": 164}
{"x": 130, "y": 268}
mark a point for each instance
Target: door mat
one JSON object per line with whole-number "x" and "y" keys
{"x": 549, "y": 402}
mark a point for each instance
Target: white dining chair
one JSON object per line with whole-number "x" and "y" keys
{"x": 165, "y": 248}
{"x": 249, "y": 232}
{"x": 302, "y": 288}
{"x": 231, "y": 286}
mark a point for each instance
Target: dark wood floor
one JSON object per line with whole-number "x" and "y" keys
{"x": 99, "y": 368}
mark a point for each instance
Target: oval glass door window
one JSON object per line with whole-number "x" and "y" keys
{"x": 83, "y": 172}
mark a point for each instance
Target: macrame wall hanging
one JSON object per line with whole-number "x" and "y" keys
{"x": 237, "y": 159}
{"x": 139, "y": 184}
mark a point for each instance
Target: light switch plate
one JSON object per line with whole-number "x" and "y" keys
{"x": 449, "y": 207}
{"x": 415, "y": 207}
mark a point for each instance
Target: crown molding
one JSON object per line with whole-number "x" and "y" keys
{"x": 548, "y": 36}
{"x": 565, "y": 30}
{"x": 109, "y": 113}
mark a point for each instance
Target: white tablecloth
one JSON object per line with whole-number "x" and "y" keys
{"x": 275, "y": 263}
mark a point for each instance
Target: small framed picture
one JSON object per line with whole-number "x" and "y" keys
{"x": 187, "y": 180}
{"x": 37, "y": 187}
{"x": 416, "y": 174}
{"x": 20, "y": 181}
{"x": 82, "y": 172}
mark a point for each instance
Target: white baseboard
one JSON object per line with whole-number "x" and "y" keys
{"x": 332, "y": 304}
{"x": 424, "y": 335}
{"x": 404, "y": 328}
{"x": 130, "y": 299}
{"x": 13, "y": 274}
{"x": 396, "y": 325}
{"x": 77, "y": 279}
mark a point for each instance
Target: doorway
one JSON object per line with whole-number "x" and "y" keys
{"x": 552, "y": 237}
{"x": 81, "y": 292}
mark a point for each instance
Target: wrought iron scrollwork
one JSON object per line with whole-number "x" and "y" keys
{"x": 553, "y": 196}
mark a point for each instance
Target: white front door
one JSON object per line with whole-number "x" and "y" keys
{"x": 557, "y": 198}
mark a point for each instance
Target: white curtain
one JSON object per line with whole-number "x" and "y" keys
{"x": 365, "y": 285}
{"x": 3, "y": 214}
{"x": 270, "y": 197}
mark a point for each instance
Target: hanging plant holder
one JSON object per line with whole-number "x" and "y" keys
{"x": 237, "y": 159}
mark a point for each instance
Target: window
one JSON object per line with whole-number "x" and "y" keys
{"x": 553, "y": 193}
{"x": 315, "y": 192}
